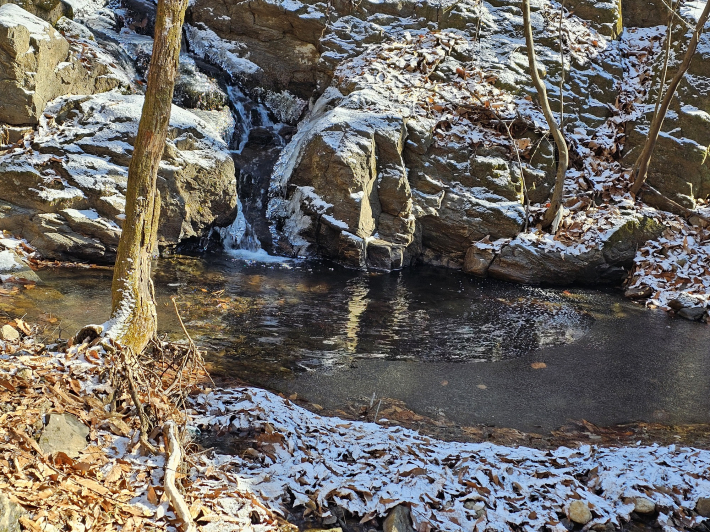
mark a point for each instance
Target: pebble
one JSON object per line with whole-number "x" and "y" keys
{"x": 579, "y": 512}
{"x": 642, "y": 505}
{"x": 9, "y": 333}
{"x": 703, "y": 507}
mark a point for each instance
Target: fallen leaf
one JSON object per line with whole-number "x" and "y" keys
{"x": 538, "y": 365}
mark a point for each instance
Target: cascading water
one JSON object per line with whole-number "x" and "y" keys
{"x": 257, "y": 143}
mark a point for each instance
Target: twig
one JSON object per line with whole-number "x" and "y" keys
{"x": 562, "y": 62}
{"x": 133, "y": 390}
{"x": 173, "y": 462}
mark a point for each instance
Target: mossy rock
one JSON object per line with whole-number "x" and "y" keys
{"x": 621, "y": 246}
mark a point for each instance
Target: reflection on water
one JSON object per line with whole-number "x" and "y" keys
{"x": 334, "y": 335}
{"x": 307, "y": 315}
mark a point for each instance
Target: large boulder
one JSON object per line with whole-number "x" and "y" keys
{"x": 48, "y": 10}
{"x": 37, "y": 64}
{"x": 66, "y": 195}
{"x": 531, "y": 260}
{"x": 372, "y": 181}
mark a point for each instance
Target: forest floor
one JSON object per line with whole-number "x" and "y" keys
{"x": 275, "y": 463}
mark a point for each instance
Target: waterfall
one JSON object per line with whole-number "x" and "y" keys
{"x": 256, "y": 144}
{"x": 249, "y": 115}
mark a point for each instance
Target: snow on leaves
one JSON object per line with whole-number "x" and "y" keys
{"x": 368, "y": 469}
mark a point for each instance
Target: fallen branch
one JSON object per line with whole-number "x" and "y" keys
{"x": 173, "y": 462}
{"x": 654, "y": 198}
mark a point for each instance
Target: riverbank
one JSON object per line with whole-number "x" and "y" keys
{"x": 301, "y": 466}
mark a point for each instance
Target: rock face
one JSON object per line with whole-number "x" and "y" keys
{"x": 65, "y": 194}
{"x": 644, "y": 13}
{"x": 375, "y": 183}
{"x": 680, "y": 166}
{"x": 48, "y": 10}
{"x": 36, "y": 66}
{"x": 281, "y": 38}
{"x": 64, "y": 433}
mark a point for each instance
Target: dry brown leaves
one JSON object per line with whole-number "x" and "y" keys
{"x": 108, "y": 486}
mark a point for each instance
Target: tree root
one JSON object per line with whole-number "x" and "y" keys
{"x": 172, "y": 463}
{"x": 142, "y": 416}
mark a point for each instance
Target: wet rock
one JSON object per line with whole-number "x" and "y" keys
{"x": 10, "y": 514}
{"x": 477, "y": 261}
{"x": 36, "y": 66}
{"x": 64, "y": 433}
{"x": 398, "y": 520}
{"x": 579, "y": 512}
{"x": 693, "y": 313}
{"x": 67, "y": 196}
{"x": 703, "y": 507}
{"x": 639, "y": 292}
{"x": 14, "y": 267}
{"x": 9, "y": 333}
{"x": 643, "y": 505}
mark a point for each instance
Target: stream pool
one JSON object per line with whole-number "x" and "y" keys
{"x": 444, "y": 343}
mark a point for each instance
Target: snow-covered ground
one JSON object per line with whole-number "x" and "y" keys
{"x": 368, "y": 469}
{"x": 303, "y": 459}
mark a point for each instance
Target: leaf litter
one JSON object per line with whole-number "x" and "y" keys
{"x": 302, "y": 459}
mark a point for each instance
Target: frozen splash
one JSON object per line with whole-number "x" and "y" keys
{"x": 239, "y": 235}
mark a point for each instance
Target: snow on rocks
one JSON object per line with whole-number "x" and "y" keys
{"x": 68, "y": 180}
{"x": 368, "y": 469}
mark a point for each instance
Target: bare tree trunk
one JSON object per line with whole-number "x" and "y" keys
{"x": 562, "y": 151}
{"x": 639, "y": 172}
{"x": 133, "y": 317}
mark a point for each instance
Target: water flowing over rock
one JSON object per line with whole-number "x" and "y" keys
{"x": 65, "y": 192}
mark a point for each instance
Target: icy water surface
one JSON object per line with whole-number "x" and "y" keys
{"x": 445, "y": 343}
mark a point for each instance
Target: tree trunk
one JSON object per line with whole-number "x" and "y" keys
{"x": 133, "y": 316}
{"x": 562, "y": 151}
{"x": 640, "y": 168}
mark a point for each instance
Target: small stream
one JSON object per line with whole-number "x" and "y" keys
{"x": 444, "y": 343}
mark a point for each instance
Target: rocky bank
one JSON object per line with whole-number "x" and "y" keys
{"x": 376, "y": 134}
